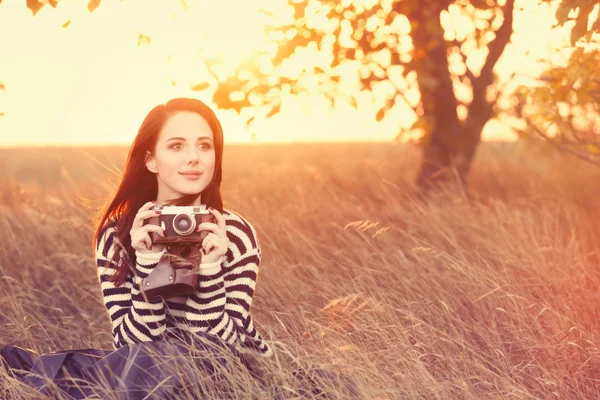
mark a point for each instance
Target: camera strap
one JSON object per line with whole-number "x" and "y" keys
{"x": 186, "y": 251}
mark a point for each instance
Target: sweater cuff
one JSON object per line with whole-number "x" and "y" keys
{"x": 145, "y": 262}
{"x": 148, "y": 258}
{"x": 210, "y": 268}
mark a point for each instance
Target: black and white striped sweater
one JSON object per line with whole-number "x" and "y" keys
{"x": 220, "y": 306}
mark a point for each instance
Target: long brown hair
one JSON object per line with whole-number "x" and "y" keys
{"x": 139, "y": 186}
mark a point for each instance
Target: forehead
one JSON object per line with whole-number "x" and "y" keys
{"x": 186, "y": 124}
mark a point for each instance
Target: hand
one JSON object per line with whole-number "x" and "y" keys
{"x": 140, "y": 233}
{"x": 216, "y": 243}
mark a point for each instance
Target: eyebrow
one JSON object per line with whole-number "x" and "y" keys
{"x": 180, "y": 138}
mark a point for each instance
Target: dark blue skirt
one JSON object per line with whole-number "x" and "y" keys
{"x": 162, "y": 369}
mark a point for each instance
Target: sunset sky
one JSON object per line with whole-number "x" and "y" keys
{"x": 92, "y": 84}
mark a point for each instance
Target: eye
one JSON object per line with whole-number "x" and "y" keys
{"x": 173, "y": 146}
{"x": 206, "y": 144}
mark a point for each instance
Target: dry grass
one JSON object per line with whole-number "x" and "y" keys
{"x": 495, "y": 297}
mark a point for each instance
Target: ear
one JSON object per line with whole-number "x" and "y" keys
{"x": 151, "y": 163}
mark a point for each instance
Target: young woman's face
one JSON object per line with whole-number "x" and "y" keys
{"x": 184, "y": 157}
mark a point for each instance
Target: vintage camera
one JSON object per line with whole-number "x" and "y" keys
{"x": 176, "y": 272}
{"x": 179, "y": 224}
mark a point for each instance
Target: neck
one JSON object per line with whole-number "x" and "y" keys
{"x": 162, "y": 199}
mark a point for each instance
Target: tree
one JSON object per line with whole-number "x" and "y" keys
{"x": 371, "y": 35}
{"x": 564, "y": 107}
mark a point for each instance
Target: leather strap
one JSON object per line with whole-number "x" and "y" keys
{"x": 171, "y": 264}
{"x": 163, "y": 272}
{"x": 184, "y": 253}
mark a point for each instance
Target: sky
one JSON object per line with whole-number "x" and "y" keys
{"x": 92, "y": 84}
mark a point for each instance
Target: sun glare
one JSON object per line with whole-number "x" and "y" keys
{"x": 75, "y": 77}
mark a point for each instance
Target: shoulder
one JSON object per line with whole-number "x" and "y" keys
{"x": 234, "y": 218}
{"x": 106, "y": 236}
{"x": 240, "y": 230}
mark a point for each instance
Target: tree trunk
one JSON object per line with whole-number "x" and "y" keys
{"x": 480, "y": 112}
{"x": 437, "y": 94}
{"x": 450, "y": 145}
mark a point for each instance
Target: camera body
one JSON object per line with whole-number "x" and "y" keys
{"x": 179, "y": 224}
{"x": 176, "y": 273}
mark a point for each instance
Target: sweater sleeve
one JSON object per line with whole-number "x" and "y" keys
{"x": 221, "y": 305}
{"x": 133, "y": 318}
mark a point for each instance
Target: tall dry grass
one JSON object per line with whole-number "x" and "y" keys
{"x": 492, "y": 296}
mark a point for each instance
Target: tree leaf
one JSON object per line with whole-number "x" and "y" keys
{"x": 353, "y": 102}
{"x": 380, "y": 114}
{"x": 274, "y": 111}
{"x": 201, "y": 86}
{"x": 93, "y": 4}
{"x": 562, "y": 12}
{"x": 266, "y": 12}
{"x": 575, "y": 57}
{"x": 143, "y": 39}
{"x": 579, "y": 29}
{"x": 34, "y": 6}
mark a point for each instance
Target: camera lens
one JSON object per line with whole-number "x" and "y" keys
{"x": 184, "y": 224}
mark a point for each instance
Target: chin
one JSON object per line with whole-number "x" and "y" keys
{"x": 189, "y": 187}
{"x": 191, "y": 190}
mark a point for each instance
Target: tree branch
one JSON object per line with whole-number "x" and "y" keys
{"x": 400, "y": 91}
{"x": 459, "y": 44}
{"x": 496, "y": 46}
{"x": 579, "y": 154}
{"x": 468, "y": 72}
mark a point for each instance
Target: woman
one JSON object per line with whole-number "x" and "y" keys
{"x": 162, "y": 347}
{"x": 175, "y": 159}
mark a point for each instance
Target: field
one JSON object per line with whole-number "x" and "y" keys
{"x": 490, "y": 296}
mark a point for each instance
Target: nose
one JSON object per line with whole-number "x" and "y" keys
{"x": 193, "y": 157}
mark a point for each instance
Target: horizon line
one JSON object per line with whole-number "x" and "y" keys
{"x": 244, "y": 143}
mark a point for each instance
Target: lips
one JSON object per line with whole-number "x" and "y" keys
{"x": 191, "y": 173}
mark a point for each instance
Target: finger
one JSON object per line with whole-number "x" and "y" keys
{"x": 139, "y": 242}
{"x": 153, "y": 228}
{"x": 148, "y": 242}
{"x": 147, "y": 206}
{"x": 148, "y": 214}
{"x": 216, "y": 229}
{"x": 220, "y": 219}
{"x": 213, "y": 242}
{"x": 207, "y": 226}
{"x": 210, "y": 236}
{"x": 134, "y": 244}
{"x": 217, "y": 244}
{"x": 206, "y": 244}
{"x": 143, "y": 214}
{"x": 213, "y": 246}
